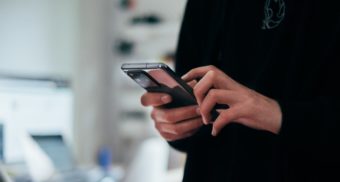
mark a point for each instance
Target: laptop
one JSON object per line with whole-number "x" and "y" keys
{"x": 60, "y": 160}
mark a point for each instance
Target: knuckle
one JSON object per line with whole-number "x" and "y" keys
{"x": 205, "y": 111}
{"x": 176, "y": 130}
{"x": 158, "y": 127}
{"x": 143, "y": 100}
{"x": 212, "y": 93}
{"x": 225, "y": 115}
{"x": 154, "y": 114}
{"x": 212, "y": 73}
{"x": 196, "y": 91}
{"x": 253, "y": 94}
{"x": 167, "y": 116}
{"x": 250, "y": 98}
{"x": 203, "y": 108}
{"x": 212, "y": 67}
{"x": 252, "y": 101}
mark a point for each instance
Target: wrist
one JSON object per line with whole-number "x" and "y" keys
{"x": 276, "y": 122}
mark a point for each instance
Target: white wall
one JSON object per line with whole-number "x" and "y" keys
{"x": 69, "y": 39}
{"x": 170, "y": 10}
{"x": 95, "y": 121}
{"x": 37, "y": 37}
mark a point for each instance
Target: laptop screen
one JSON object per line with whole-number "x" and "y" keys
{"x": 56, "y": 148}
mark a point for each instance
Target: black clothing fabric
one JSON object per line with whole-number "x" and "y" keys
{"x": 294, "y": 63}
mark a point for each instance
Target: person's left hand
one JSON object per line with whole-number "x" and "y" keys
{"x": 246, "y": 106}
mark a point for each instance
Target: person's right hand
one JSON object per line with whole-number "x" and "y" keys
{"x": 172, "y": 124}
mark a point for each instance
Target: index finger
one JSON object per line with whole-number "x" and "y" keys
{"x": 198, "y": 72}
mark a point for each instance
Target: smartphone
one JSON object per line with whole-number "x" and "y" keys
{"x": 158, "y": 77}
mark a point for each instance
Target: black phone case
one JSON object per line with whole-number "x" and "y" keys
{"x": 178, "y": 100}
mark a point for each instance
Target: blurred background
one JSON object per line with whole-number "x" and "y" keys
{"x": 67, "y": 111}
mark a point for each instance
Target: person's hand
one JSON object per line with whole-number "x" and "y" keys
{"x": 246, "y": 106}
{"x": 172, "y": 124}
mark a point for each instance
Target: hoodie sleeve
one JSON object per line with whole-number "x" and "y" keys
{"x": 203, "y": 135}
{"x": 313, "y": 126}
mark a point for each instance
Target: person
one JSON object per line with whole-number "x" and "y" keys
{"x": 273, "y": 62}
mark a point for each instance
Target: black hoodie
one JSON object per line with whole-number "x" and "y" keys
{"x": 286, "y": 50}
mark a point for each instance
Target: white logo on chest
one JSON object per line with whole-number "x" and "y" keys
{"x": 274, "y": 13}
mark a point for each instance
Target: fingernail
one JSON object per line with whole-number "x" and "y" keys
{"x": 198, "y": 111}
{"x": 213, "y": 133}
{"x": 166, "y": 99}
{"x": 184, "y": 76}
{"x": 204, "y": 120}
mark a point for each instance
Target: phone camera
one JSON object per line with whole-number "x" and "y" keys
{"x": 143, "y": 80}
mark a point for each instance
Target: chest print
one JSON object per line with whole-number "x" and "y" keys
{"x": 274, "y": 13}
